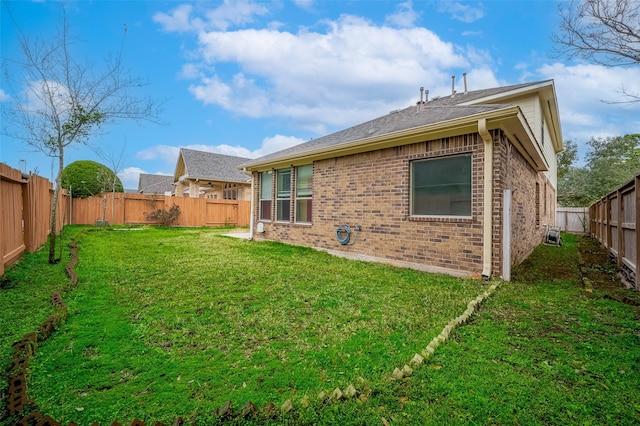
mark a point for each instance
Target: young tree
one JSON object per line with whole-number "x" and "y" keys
{"x": 67, "y": 101}
{"x": 606, "y": 32}
{"x": 116, "y": 162}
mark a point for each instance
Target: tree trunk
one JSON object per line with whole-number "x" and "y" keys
{"x": 54, "y": 208}
{"x": 52, "y": 233}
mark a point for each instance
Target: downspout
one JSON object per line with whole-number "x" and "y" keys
{"x": 488, "y": 198}
{"x": 251, "y": 206}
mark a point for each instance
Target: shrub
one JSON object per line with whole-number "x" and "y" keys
{"x": 164, "y": 217}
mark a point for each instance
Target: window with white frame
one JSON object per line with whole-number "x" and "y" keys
{"x": 304, "y": 193}
{"x": 283, "y": 195}
{"x": 441, "y": 186}
{"x": 266, "y": 179}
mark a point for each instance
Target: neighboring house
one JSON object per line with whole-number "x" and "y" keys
{"x": 461, "y": 184}
{"x": 155, "y": 184}
{"x": 209, "y": 175}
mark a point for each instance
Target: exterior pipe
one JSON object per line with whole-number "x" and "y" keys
{"x": 488, "y": 198}
{"x": 251, "y": 205}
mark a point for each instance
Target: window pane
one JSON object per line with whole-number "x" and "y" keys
{"x": 265, "y": 209}
{"x": 284, "y": 183}
{"x": 282, "y": 210}
{"x": 303, "y": 210}
{"x": 265, "y": 185}
{"x": 441, "y": 186}
{"x": 304, "y": 179}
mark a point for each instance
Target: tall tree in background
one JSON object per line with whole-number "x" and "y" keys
{"x": 59, "y": 101}
{"x": 606, "y": 32}
{"x": 571, "y": 178}
{"x": 610, "y": 162}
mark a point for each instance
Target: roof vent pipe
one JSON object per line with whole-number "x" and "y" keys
{"x": 464, "y": 76}
{"x": 453, "y": 85}
{"x": 426, "y": 95}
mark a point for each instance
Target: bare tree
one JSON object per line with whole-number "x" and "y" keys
{"x": 116, "y": 162}
{"x": 61, "y": 101}
{"x": 606, "y": 32}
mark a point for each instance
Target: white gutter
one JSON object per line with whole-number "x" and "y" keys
{"x": 488, "y": 198}
{"x": 244, "y": 169}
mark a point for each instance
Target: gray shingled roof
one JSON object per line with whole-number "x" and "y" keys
{"x": 404, "y": 119}
{"x": 155, "y": 184}
{"x": 474, "y": 95}
{"x": 435, "y": 111}
{"x": 214, "y": 167}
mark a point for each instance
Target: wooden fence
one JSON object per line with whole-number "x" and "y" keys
{"x": 25, "y": 213}
{"x": 614, "y": 221}
{"x": 574, "y": 220}
{"x": 129, "y": 209}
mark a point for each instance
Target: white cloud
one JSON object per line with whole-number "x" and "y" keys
{"x": 130, "y": 176}
{"x": 304, "y": 4}
{"x": 352, "y": 71}
{"x": 178, "y": 20}
{"x": 404, "y": 17}
{"x": 462, "y": 12}
{"x": 228, "y": 14}
{"x": 582, "y": 91}
{"x": 169, "y": 154}
{"x": 44, "y": 96}
{"x": 4, "y": 96}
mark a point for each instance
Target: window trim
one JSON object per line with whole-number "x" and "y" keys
{"x": 414, "y": 216}
{"x": 288, "y": 219}
{"x": 270, "y": 199}
{"x": 297, "y": 197}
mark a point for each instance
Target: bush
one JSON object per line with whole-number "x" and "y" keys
{"x": 85, "y": 178}
{"x": 164, "y": 217}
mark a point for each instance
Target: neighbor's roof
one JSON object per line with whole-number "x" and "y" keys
{"x": 448, "y": 112}
{"x": 209, "y": 166}
{"x": 155, "y": 184}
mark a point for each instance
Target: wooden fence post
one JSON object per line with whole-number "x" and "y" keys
{"x": 636, "y": 188}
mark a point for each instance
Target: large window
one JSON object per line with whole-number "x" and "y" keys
{"x": 441, "y": 186}
{"x": 266, "y": 178}
{"x": 304, "y": 193}
{"x": 283, "y": 195}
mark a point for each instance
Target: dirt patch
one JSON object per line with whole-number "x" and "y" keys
{"x": 602, "y": 272}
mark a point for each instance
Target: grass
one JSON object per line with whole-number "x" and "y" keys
{"x": 170, "y": 322}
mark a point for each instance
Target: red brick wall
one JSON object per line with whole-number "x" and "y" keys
{"x": 372, "y": 190}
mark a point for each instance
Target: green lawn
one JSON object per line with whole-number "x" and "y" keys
{"x": 175, "y": 322}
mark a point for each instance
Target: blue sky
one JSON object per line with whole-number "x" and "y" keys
{"x": 249, "y": 78}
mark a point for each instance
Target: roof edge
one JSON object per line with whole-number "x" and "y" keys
{"x": 403, "y": 137}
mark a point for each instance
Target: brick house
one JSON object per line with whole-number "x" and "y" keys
{"x": 414, "y": 188}
{"x": 201, "y": 174}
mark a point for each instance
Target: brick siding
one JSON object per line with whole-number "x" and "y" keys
{"x": 372, "y": 190}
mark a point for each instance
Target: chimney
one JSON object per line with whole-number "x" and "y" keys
{"x": 426, "y": 97}
{"x": 421, "y": 93}
{"x": 464, "y": 75}
{"x": 453, "y": 86}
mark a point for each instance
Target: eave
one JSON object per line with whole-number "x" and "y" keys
{"x": 510, "y": 119}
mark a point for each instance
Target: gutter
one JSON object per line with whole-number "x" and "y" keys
{"x": 488, "y": 198}
{"x": 401, "y": 137}
{"x": 244, "y": 169}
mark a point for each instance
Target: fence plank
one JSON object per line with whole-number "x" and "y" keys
{"x": 636, "y": 206}
{"x": 130, "y": 209}
{"x": 614, "y": 222}
{"x": 574, "y": 220}
{"x": 25, "y": 213}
